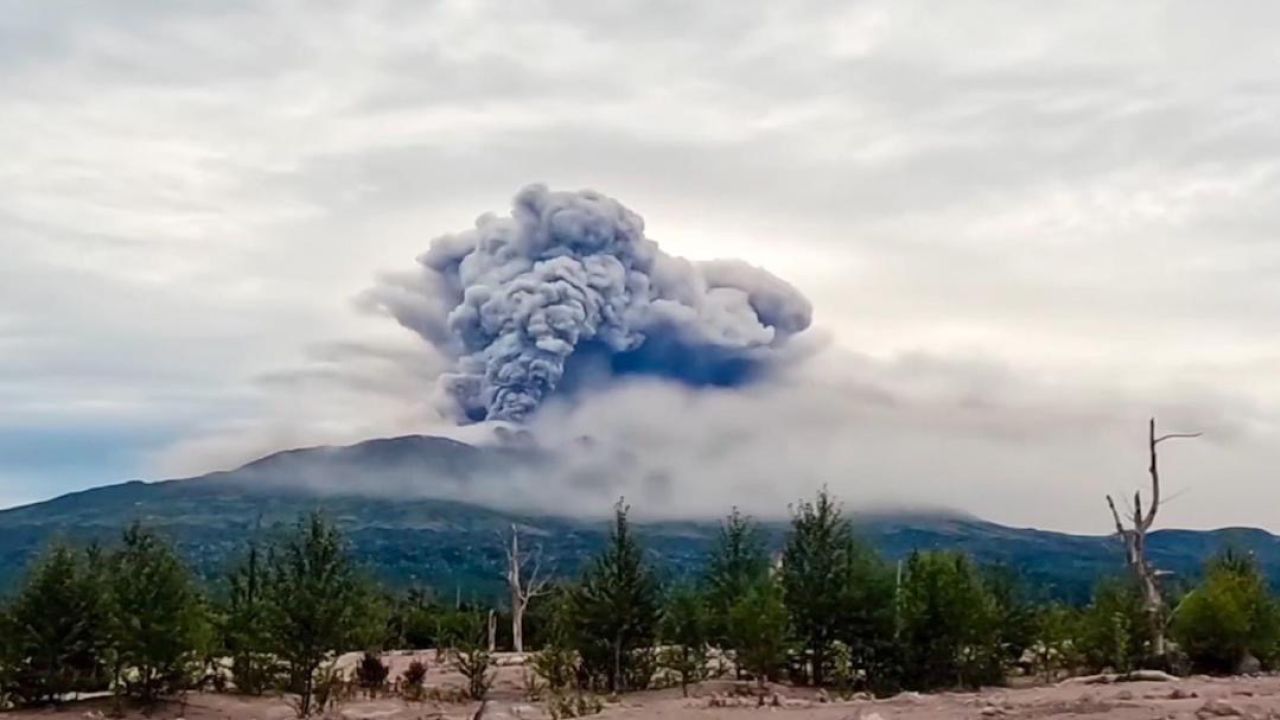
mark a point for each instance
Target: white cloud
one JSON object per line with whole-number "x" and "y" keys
{"x": 1081, "y": 197}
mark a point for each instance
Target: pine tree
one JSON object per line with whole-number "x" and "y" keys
{"x": 866, "y": 622}
{"x": 684, "y": 631}
{"x": 56, "y": 630}
{"x": 815, "y": 578}
{"x": 759, "y": 630}
{"x": 617, "y": 609}
{"x": 245, "y": 628}
{"x": 737, "y": 562}
{"x": 314, "y": 604}
{"x": 950, "y": 631}
{"x": 158, "y": 618}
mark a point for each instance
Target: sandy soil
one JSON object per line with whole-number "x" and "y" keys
{"x": 1199, "y": 698}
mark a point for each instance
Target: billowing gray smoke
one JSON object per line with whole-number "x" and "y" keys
{"x": 567, "y": 290}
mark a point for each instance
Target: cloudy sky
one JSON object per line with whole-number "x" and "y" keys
{"x": 1024, "y": 229}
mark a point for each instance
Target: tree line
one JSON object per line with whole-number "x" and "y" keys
{"x": 827, "y": 611}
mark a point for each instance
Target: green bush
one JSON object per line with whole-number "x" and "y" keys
{"x": 556, "y": 663}
{"x": 371, "y": 674}
{"x": 474, "y": 660}
{"x": 1230, "y": 615}
{"x": 1054, "y": 643}
{"x": 413, "y": 680}
{"x": 1113, "y": 632}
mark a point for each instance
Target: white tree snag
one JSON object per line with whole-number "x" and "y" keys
{"x": 1135, "y": 540}
{"x": 493, "y": 631}
{"x": 523, "y": 589}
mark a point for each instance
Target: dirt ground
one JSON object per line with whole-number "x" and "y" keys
{"x": 1198, "y": 697}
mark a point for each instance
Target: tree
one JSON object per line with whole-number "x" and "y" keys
{"x": 684, "y": 631}
{"x": 758, "y": 626}
{"x": 524, "y": 582}
{"x": 815, "y": 578}
{"x": 950, "y": 634}
{"x": 245, "y": 626}
{"x": 315, "y": 604}
{"x": 617, "y": 609}
{"x": 1135, "y": 541}
{"x": 736, "y": 564}
{"x": 55, "y": 630}
{"x": 866, "y": 625}
{"x": 1230, "y": 616}
{"x": 158, "y": 617}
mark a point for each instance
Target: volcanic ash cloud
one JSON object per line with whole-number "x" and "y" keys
{"x": 567, "y": 292}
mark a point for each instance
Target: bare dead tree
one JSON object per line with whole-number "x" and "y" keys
{"x": 1135, "y": 540}
{"x": 493, "y": 631}
{"x": 525, "y": 581}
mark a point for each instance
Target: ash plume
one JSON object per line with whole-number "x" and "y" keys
{"x": 567, "y": 291}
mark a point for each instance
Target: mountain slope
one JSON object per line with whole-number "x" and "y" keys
{"x": 451, "y": 544}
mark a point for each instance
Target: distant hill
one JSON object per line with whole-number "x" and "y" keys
{"x": 455, "y": 546}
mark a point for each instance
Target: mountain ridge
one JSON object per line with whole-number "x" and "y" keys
{"x": 452, "y": 542}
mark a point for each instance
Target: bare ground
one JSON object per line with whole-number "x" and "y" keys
{"x": 1198, "y": 697}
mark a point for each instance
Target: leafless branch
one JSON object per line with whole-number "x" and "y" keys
{"x": 1135, "y": 537}
{"x": 1115, "y": 514}
{"x": 1171, "y": 436}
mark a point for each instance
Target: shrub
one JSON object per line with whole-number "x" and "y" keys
{"x": 474, "y": 660}
{"x": 413, "y": 681}
{"x": 371, "y": 673}
{"x": 1113, "y": 631}
{"x": 1230, "y": 615}
{"x": 1054, "y": 640}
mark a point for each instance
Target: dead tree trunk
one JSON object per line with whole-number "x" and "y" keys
{"x": 493, "y": 631}
{"x": 1135, "y": 541}
{"x": 522, "y": 590}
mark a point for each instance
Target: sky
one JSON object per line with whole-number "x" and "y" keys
{"x": 1024, "y": 229}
